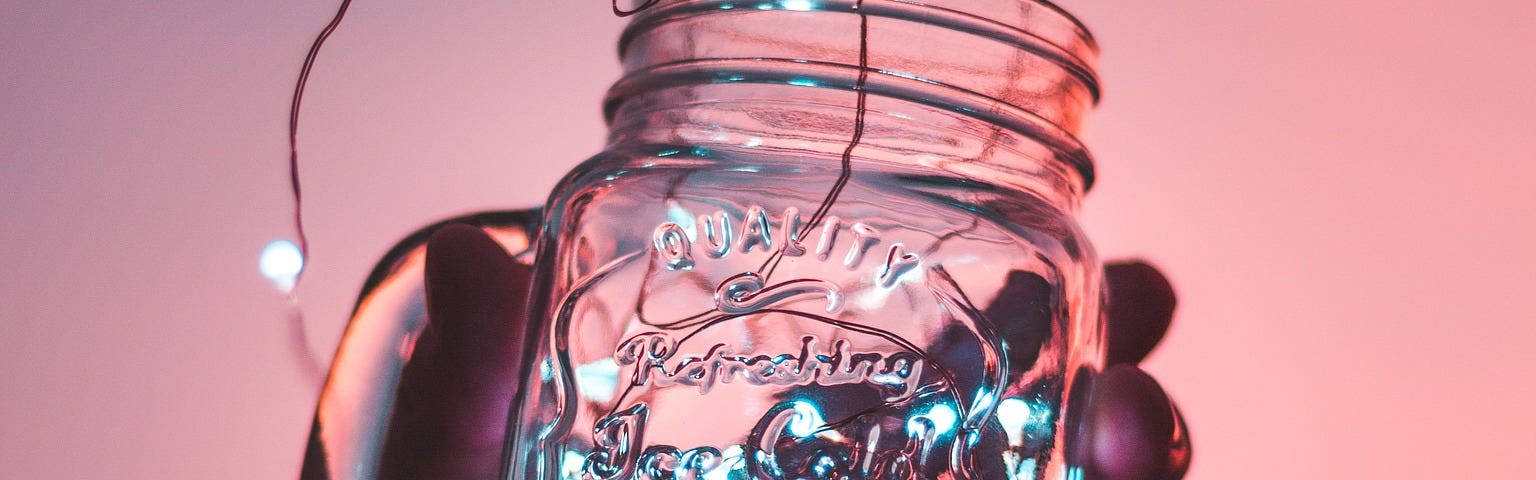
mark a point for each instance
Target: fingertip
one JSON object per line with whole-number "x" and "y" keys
{"x": 1131, "y": 427}
{"x": 465, "y": 266}
{"x": 1141, "y": 302}
{"x": 457, "y": 247}
{"x": 476, "y": 293}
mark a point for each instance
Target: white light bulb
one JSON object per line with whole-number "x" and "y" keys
{"x": 281, "y": 262}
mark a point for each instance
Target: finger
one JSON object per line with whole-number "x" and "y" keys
{"x": 451, "y": 407}
{"x": 1140, "y": 308}
{"x": 1132, "y": 430}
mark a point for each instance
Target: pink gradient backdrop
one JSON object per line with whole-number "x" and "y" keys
{"x": 1342, "y": 192}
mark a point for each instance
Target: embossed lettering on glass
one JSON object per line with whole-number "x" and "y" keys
{"x": 827, "y": 239}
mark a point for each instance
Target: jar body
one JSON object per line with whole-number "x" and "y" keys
{"x": 829, "y": 240}
{"x": 695, "y": 327}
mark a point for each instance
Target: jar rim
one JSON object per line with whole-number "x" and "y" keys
{"x": 1039, "y": 26}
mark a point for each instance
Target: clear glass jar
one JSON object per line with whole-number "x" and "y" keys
{"x": 827, "y": 239}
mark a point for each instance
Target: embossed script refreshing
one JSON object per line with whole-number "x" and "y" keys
{"x": 655, "y": 359}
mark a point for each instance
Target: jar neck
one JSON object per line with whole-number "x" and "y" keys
{"x": 994, "y": 89}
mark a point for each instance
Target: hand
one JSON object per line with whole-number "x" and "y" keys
{"x": 1129, "y": 428}
{"x": 451, "y": 409}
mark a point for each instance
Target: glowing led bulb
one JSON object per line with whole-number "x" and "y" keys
{"x": 941, "y": 417}
{"x": 807, "y": 419}
{"x": 797, "y": 5}
{"x": 281, "y": 262}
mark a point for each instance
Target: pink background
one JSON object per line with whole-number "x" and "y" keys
{"x": 1342, "y": 192}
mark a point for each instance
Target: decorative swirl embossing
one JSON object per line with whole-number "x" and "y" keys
{"x": 746, "y": 293}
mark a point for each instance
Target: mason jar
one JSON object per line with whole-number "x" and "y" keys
{"x": 826, "y": 239}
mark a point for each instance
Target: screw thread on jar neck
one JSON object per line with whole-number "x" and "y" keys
{"x": 1015, "y": 76}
